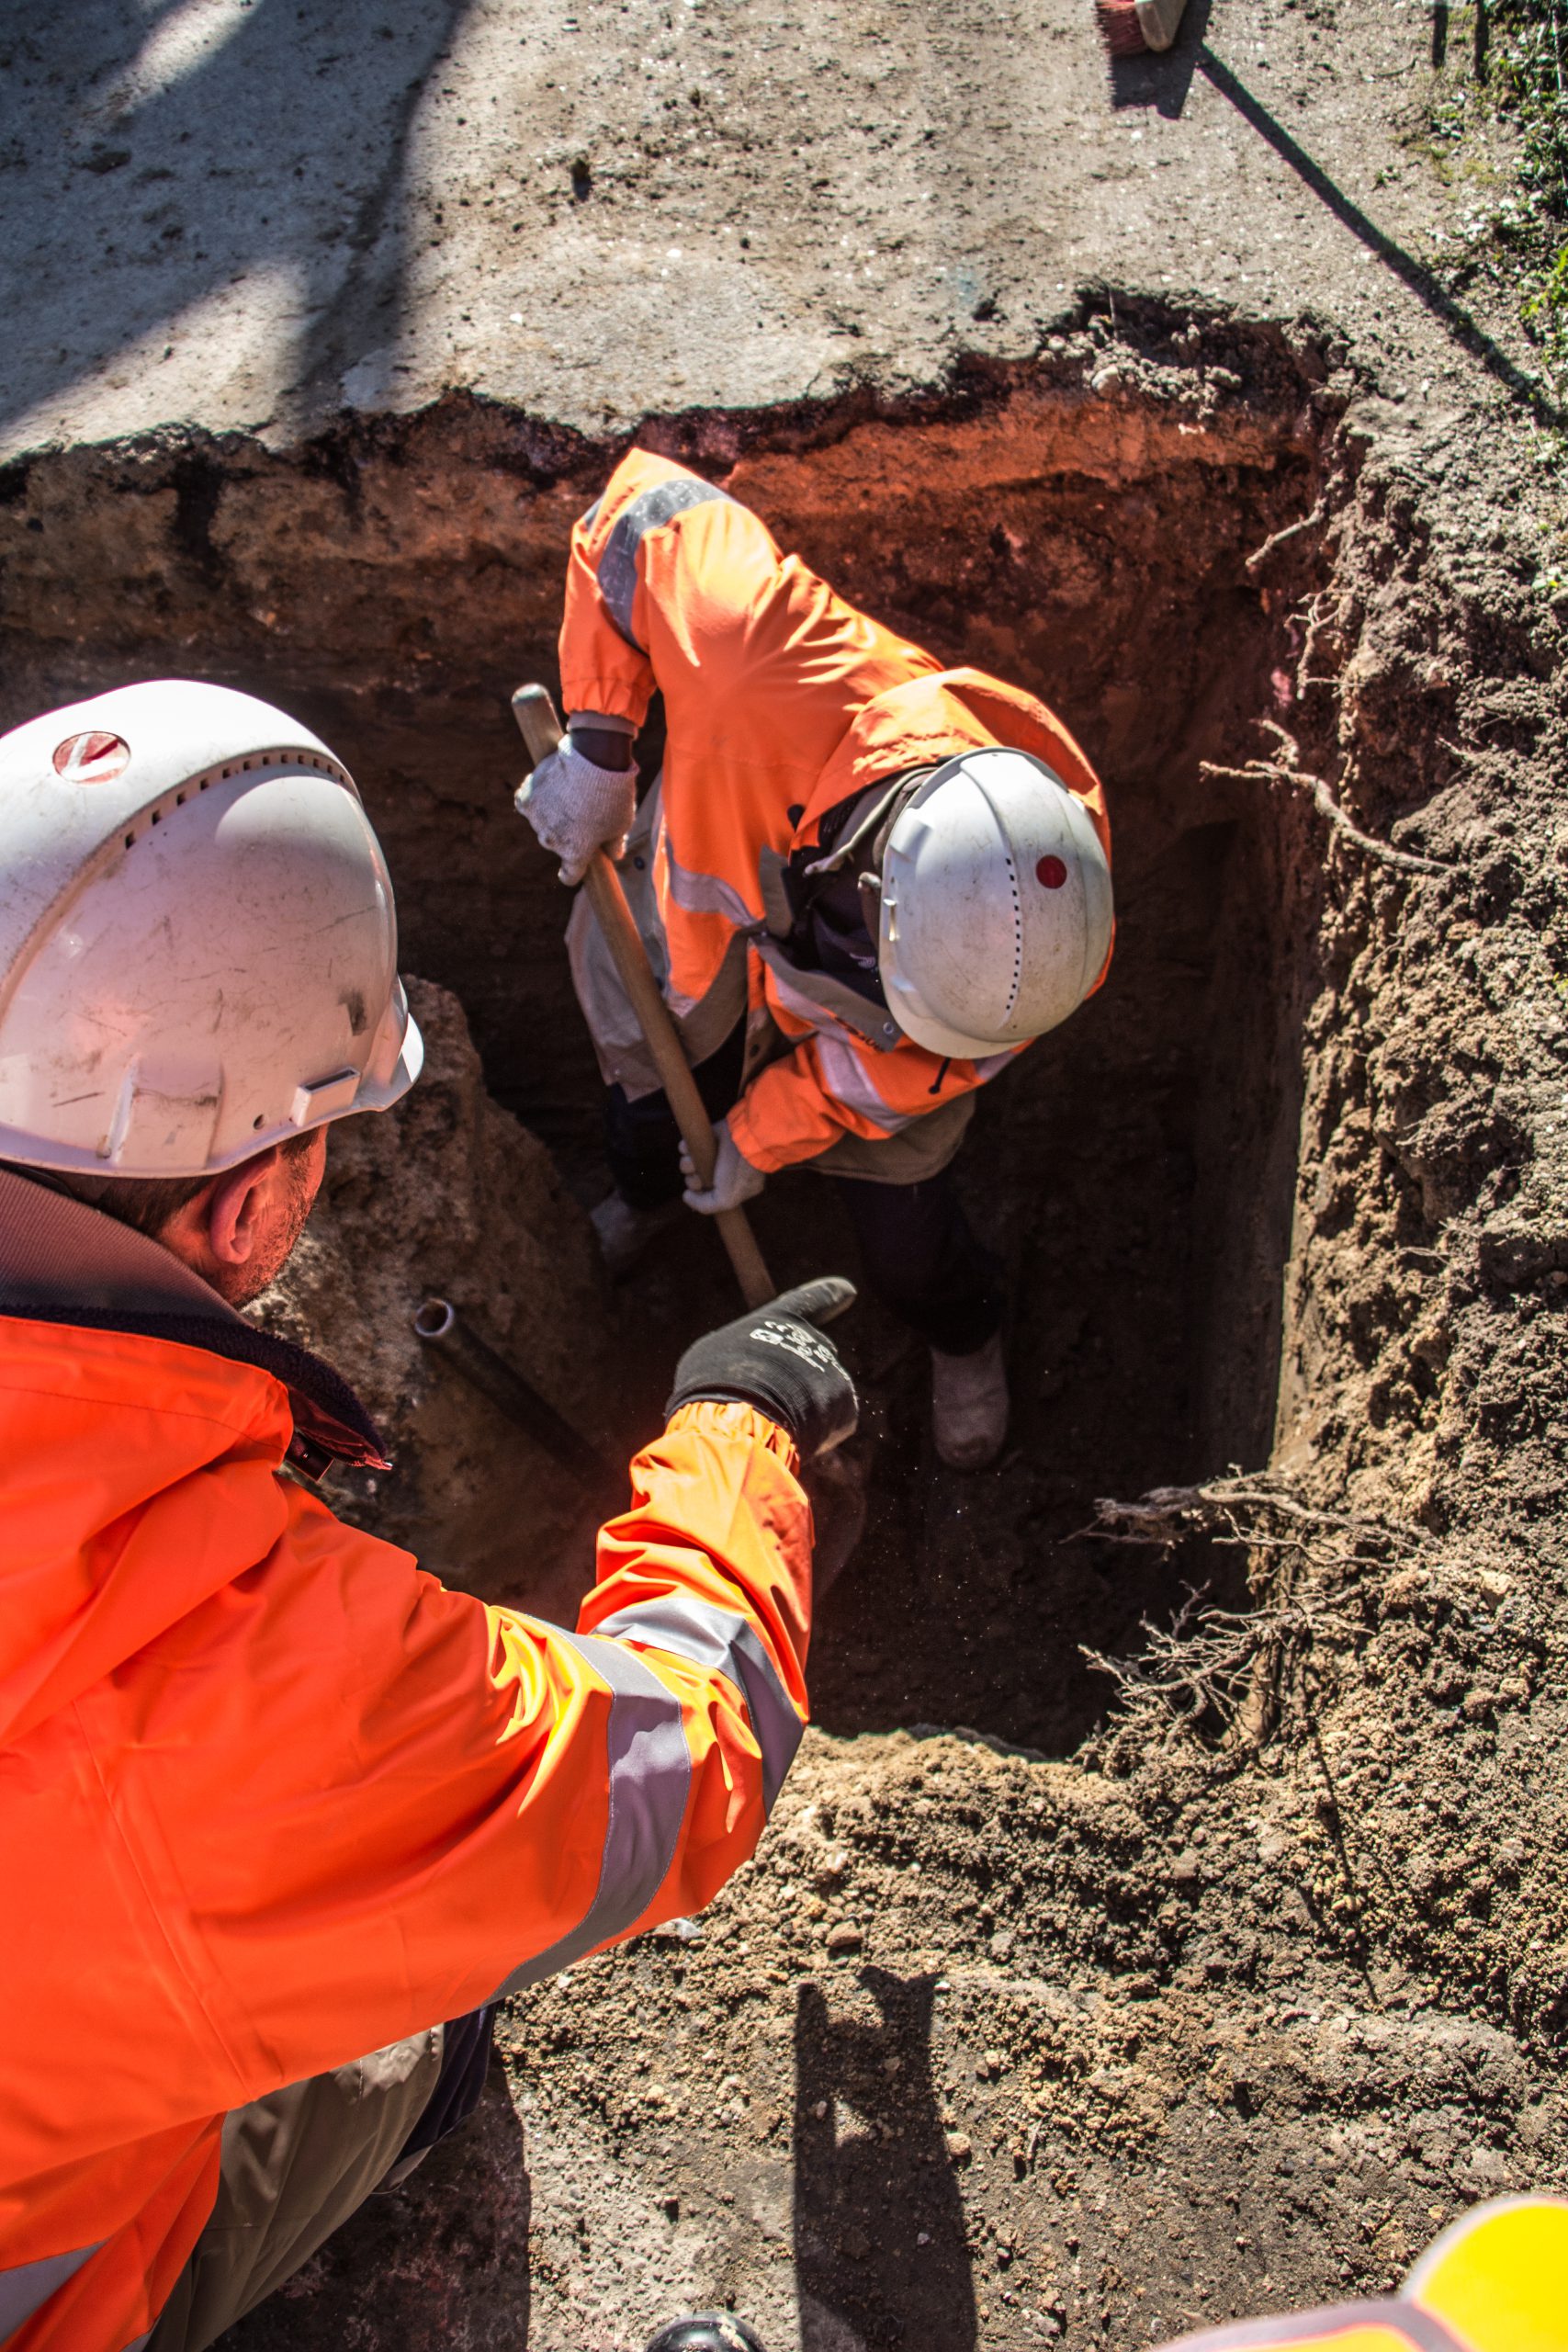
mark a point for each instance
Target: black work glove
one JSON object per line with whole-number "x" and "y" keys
{"x": 774, "y": 1358}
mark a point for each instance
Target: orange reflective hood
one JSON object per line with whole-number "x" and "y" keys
{"x": 105, "y": 1421}
{"x": 124, "y": 1379}
{"x": 932, "y": 719}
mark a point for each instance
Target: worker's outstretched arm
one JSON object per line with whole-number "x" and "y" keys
{"x": 423, "y": 1799}
{"x": 721, "y": 1616}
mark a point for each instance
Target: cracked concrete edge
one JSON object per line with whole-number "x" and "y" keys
{"x": 600, "y": 215}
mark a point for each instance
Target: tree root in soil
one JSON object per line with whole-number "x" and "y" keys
{"x": 1165, "y": 1514}
{"x": 1220, "y": 1675}
{"x": 1291, "y": 530}
{"x": 1218, "y": 1671}
{"x": 1286, "y": 768}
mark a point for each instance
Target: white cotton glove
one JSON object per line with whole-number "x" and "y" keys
{"x": 576, "y": 808}
{"x": 734, "y": 1177}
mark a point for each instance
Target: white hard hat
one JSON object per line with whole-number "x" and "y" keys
{"x": 198, "y": 941}
{"x": 995, "y": 905}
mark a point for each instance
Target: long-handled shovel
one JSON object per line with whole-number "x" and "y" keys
{"x": 835, "y": 1483}
{"x": 541, "y": 731}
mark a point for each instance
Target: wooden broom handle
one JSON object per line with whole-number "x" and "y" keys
{"x": 541, "y": 731}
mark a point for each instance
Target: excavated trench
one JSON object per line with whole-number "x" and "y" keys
{"x": 1082, "y": 528}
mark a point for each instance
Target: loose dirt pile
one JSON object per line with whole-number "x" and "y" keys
{"x": 1067, "y": 2025}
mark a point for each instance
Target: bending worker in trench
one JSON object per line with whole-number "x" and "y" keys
{"x": 864, "y": 882}
{"x": 270, "y": 1797}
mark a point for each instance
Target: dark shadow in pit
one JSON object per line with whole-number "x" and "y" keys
{"x": 151, "y": 166}
{"x": 443, "y": 2260}
{"x": 880, "y": 2253}
{"x": 1133, "y": 1172}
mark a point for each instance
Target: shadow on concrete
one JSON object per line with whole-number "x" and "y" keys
{"x": 1411, "y": 273}
{"x": 879, "y": 2239}
{"x": 1162, "y": 81}
{"x": 155, "y": 160}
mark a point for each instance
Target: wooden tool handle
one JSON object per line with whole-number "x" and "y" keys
{"x": 541, "y": 731}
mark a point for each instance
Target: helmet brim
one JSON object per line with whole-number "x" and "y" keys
{"x": 918, "y": 1022}
{"x": 372, "y": 1096}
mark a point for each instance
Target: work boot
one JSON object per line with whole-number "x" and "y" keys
{"x": 625, "y": 1232}
{"x": 709, "y": 2331}
{"x": 969, "y": 1406}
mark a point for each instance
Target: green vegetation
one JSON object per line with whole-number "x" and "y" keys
{"x": 1514, "y": 72}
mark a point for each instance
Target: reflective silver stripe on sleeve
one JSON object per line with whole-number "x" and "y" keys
{"x": 29, "y": 2286}
{"x": 823, "y": 1002}
{"x": 704, "y": 894}
{"x": 585, "y": 522}
{"x": 850, "y": 1082}
{"x": 722, "y": 1638}
{"x": 650, "y": 1774}
{"x": 617, "y": 565}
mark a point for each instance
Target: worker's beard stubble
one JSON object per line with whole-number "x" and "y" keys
{"x": 238, "y": 1285}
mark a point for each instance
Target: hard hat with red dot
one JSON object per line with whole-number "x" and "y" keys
{"x": 197, "y": 939}
{"x": 996, "y": 907}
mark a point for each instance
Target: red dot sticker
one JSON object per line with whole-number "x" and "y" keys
{"x": 1051, "y": 872}
{"x": 91, "y": 758}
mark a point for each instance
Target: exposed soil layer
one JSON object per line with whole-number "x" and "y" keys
{"x": 1083, "y": 528}
{"x": 1231, "y": 2009}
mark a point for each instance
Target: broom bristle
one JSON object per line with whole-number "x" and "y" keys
{"x": 1120, "y": 29}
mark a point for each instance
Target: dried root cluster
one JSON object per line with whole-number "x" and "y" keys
{"x": 1228, "y": 1676}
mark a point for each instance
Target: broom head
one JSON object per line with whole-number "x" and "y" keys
{"x": 1129, "y": 27}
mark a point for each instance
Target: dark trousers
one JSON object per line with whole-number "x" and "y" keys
{"x": 465, "y": 2046}
{"x": 920, "y": 1254}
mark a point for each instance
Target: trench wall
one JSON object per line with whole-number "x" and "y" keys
{"x": 1083, "y": 526}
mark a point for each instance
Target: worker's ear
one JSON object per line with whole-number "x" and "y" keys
{"x": 237, "y": 1207}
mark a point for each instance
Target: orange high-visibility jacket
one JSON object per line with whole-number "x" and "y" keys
{"x": 270, "y": 1797}
{"x": 782, "y": 701}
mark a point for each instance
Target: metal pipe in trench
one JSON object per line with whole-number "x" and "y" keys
{"x": 443, "y": 1330}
